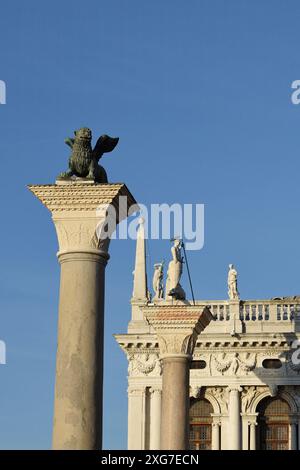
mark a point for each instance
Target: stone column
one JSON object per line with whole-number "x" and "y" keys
{"x": 234, "y": 437}
{"x": 136, "y": 418}
{"x": 215, "y": 438}
{"x": 293, "y": 428}
{"x": 155, "y": 418}
{"x": 83, "y": 215}
{"x": 252, "y": 436}
{"x": 177, "y": 328}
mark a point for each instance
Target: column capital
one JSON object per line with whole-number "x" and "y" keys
{"x": 177, "y": 327}
{"x": 234, "y": 388}
{"x": 136, "y": 391}
{"x": 216, "y": 419}
{"x": 85, "y": 214}
{"x": 155, "y": 389}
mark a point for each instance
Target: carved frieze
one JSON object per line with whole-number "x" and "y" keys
{"x": 144, "y": 364}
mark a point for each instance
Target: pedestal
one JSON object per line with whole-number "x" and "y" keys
{"x": 83, "y": 216}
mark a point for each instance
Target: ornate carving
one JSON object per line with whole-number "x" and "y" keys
{"x": 291, "y": 363}
{"x": 143, "y": 364}
{"x": 233, "y": 364}
{"x": 221, "y": 395}
{"x": 85, "y": 215}
{"x": 195, "y": 391}
{"x": 248, "y": 395}
{"x": 177, "y": 327}
{"x": 74, "y": 196}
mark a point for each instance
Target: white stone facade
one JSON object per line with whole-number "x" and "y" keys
{"x": 246, "y": 354}
{"x": 233, "y": 378}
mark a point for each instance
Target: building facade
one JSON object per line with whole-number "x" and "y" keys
{"x": 244, "y": 374}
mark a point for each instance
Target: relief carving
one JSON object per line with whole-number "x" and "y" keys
{"x": 143, "y": 364}
{"x": 234, "y": 363}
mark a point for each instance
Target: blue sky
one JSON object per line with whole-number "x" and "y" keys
{"x": 199, "y": 93}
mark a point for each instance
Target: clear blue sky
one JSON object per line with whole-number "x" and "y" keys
{"x": 199, "y": 94}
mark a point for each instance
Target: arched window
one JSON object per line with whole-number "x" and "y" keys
{"x": 273, "y": 420}
{"x": 200, "y": 424}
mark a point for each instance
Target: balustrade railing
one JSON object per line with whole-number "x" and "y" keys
{"x": 257, "y": 310}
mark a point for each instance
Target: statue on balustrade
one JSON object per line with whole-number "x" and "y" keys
{"x": 233, "y": 292}
{"x": 173, "y": 287}
{"x": 157, "y": 281}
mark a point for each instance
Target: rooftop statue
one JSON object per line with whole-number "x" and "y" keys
{"x": 157, "y": 281}
{"x": 233, "y": 292}
{"x": 83, "y": 162}
{"x": 173, "y": 287}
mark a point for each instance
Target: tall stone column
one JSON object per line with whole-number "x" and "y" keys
{"x": 234, "y": 437}
{"x": 83, "y": 215}
{"x": 177, "y": 328}
{"x": 155, "y": 418}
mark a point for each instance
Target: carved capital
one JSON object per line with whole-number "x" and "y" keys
{"x": 155, "y": 390}
{"x": 195, "y": 391}
{"x": 234, "y": 388}
{"x": 85, "y": 214}
{"x": 177, "y": 327}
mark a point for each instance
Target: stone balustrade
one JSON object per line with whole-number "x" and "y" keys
{"x": 261, "y": 315}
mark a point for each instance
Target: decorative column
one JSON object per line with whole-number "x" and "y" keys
{"x": 252, "y": 436}
{"x": 234, "y": 437}
{"x": 83, "y": 217}
{"x": 155, "y": 418}
{"x": 293, "y": 427}
{"x": 215, "y": 438}
{"x": 177, "y": 328}
{"x": 136, "y": 418}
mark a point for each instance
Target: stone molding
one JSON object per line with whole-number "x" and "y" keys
{"x": 177, "y": 327}
{"x": 79, "y": 213}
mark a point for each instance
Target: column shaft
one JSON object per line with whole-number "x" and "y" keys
{"x": 155, "y": 419}
{"x": 293, "y": 436}
{"x": 79, "y": 360}
{"x": 252, "y": 436}
{"x": 215, "y": 436}
{"x": 234, "y": 437}
{"x": 175, "y": 403}
{"x": 136, "y": 418}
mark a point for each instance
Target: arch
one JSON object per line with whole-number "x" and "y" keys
{"x": 200, "y": 424}
{"x": 273, "y": 423}
{"x": 283, "y": 394}
{"x": 213, "y": 401}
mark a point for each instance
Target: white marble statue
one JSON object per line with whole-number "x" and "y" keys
{"x": 233, "y": 292}
{"x": 157, "y": 282}
{"x": 173, "y": 287}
